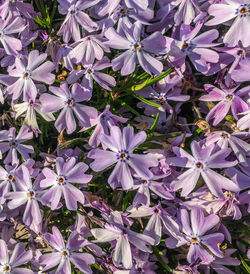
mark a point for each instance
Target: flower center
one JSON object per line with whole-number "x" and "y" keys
{"x": 122, "y": 11}
{"x": 229, "y": 97}
{"x": 145, "y": 182}
{"x": 224, "y": 135}
{"x": 122, "y": 155}
{"x": 65, "y": 253}
{"x": 157, "y": 211}
{"x": 137, "y": 46}
{"x": 243, "y": 10}
{"x": 31, "y": 194}
{"x": 70, "y": 102}
{"x": 13, "y": 144}
{"x": 199, "y": 165}
{"x": 61, "y": 180}
{"x": 185, "y": 45}
{"x": 6, "y": 268}
{"x": 195, "y": 240}
{"x": 90, "y": 71}
{"x": 11, "y": 177}
{"x": 228, "y": 195}
{"x": 26, "y": 75}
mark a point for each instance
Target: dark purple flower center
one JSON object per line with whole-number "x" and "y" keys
{"x": 70, "y": 102}
{"x": 137, "y": 46}
{"x": 224, "y": 135}
{"x": 185, "y": 45}
{"x": 145, "y": 182}
{"x": 13, "y": 144}
{"x": 6, "y": 268}
{"x": 65, "y": 253}
{"x": 199, "y": 165}
{"x": 123, "y": 11}
{"x": 90, "y": 71}
{"x": 11, "y": 177}
{"x": 228, "y": 195}
{"x": 31, "y": 194}
{"x": 229, "y": 97}
{"x": 26, "y": 75}
{"x": 195, "y": 240}
{"x": 157, "y": 211}
{"x": 122, "y": 155}
{"x": 243, "y": 10}
{"x": 61, "y": 180}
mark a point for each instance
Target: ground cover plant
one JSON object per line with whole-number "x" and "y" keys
{"x": 124, "y": 136}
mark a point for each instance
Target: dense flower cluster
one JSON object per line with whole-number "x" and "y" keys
{"x": 124, "y": 136}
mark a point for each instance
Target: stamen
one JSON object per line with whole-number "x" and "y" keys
{"x": 11, "y": 177}
{"x": 25, "y": 75}
{"x": 137, "y": 46}
{"x": 185, "y": 45}
{"x": 61, "y": 180}
{"x": 122, "y": 11}
{"x": 70, "y": 102}
{"x": 229, "y": 97}
{"x": 199, "y": 165}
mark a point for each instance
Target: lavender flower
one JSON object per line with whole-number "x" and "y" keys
{"x": 200, "y": 163}
{"x": 225, "y": 12}
{"x": 75, "y": 18}
{"x": 8, "y": 27}
{"x": 159, "y": 218}
{"x": 196, "y": 233}
{"x": 20, "y": 79}
{"x": 63, "y": 255}
{"x": 68, "y": 101}
{"x": 103, "y": 123}
{"x": 137, "y": 50}
{"x": 29, "y": 195}
{"x": 124, "y": 238}
{"x": 91, "y": 72}
{"x": 30, "y": 108}
{"x": 227, "y": 98}
{"x": 56, "y": 184}
{"x": 122, "y": 144}
{"x": 9, "y": 264}
{"x": 14, "y": 145}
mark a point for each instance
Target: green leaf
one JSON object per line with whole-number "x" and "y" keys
{"x": 147, "y": 101}
{"x": 246, "y": 266}
{"x": 150, "y": 81}
{"x": 155, "y": 124}
{"x": 124, "y": 104}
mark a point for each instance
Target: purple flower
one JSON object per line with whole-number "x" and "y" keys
{"x": 223, "y": 139}
{"x": 124, "y": 238}
{"x": 241, "y": 74}
{"x": 65, "y": 254}
{"x": 30, "y": 108}
{"x": 9, "y": 264}
{"x": 137, "y": 50}
{"x": 200, "y": 163}
{"x": 224, "y": 13}
{"x": 218, "y": 264}
{"x": 13, "y": 8}
{"x": 144, "y": 187}
{"x": 91, "y": 72}
{"x": 27, "y": 194}
{"x": 122, "y": 144}
{"x": 195, "y": 47}
{"x": 8, "y": 27}
{"x": 87, "y": 49}
{"x": 227, "y": 98}
{"x": 75, "y": 18}
{"x": 14, "y": 144}
{"x": 102, "y": 124}
{"x": 197, "y": 234}
{"x": 21, "y": 79}
{"x": 159, "y": 218}
{"x": 67, "y": 173}
{"x": 68, "y": 101}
